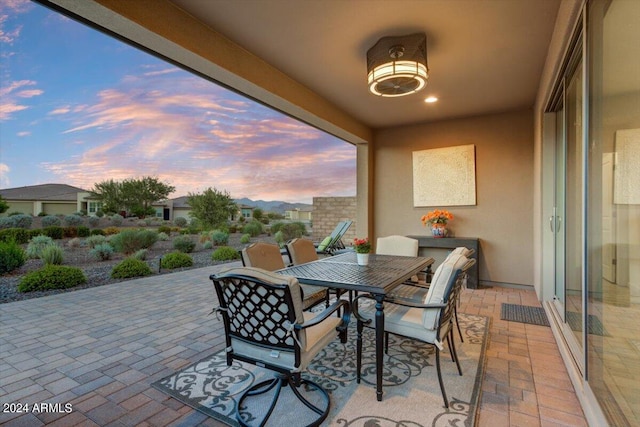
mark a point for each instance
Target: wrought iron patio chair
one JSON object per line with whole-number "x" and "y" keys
{"x": 268, "y": 257}
{"x": 265, "y": 326}
{"x": 429, "y": 321}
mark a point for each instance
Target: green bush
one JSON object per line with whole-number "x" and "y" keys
{"x": 164, "y": 229}
{"x": 98, "y": 232}
{"x": 7, "y": 222}
{"x": 290, "y": 230}
{"x": 102, "y": 251}
{"x": 207, "y": 245}
{"x": 52, "y": 277}
{"x": 246, "y": 238}
{"x": 55, "y": 232}
{"x": 184, "y": 244}
{"x": 12, "y": 256}
{"x": 84, "y": 231}
{"x": 37, "y": 244}
{"x": 52, "y": 254}
{"x": 99, "y": 214}
{"x": 130, "y": 267}
{"x": 180, "y": 221}
{"x": 176, "y": 260}
{"x": 279, "y": 238}
{"x": 225, "y": 253}
{"x": 254, "y": 228}
{"x": 163, "y": 237}
{"x": 18, "y": 235}
{"x": 130, "y": 241}
{"x": 50, "y": 220}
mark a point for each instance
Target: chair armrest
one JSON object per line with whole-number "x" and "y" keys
{"x": 328, "y": 312}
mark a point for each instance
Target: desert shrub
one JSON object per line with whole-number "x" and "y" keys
{"x": 129, "y": 241}
{"x": 18, "y": 235}
{"x": 74, "y": 243}
{"x": 52, "y": 277}
{"x": 95, "y": 240}
{"x": 42, "y": 213}
{"x": 69, "y": 232}
{"x": 246, "y": 238}
{"x": 94, "y": 221}
{"x": 290, "y": 230}
{"x": 97, "y": 232}
{"x": 176, "y": 260}
{"x": 142, "y": 223}
{"x": 164, "y": 229}
{"x": 7, "y": 222}
{"x": 162, "y": 236}
{"x": 73, "y": 220}
{"x": 55, "y": 232}
{"x": 233, "y": 229}
{"x": 225, "y": 253}
{"x": 141, "y": 254}
{"x": 279, "y": 237}
{"x": 219, "y": 237}
{"x": 52, "y": 254}
{"x": 102, "y": 252}
{"x": 50, "y": 220}
{"x": 130, "y": 267}
{"x": 84, "y": 231}
{"x": 109, "y": 231}
{"x": 116, "y": 219}
{"x": 184, "y": 244}
{"x": 207, "y": 245}
{"x": 12, "y": 256}
{"x": 180, "y": 221}
{"x": 99, "y": 214}
{"x": 37, "y": 244}
{"x": 23, "y": 221}
{"x": 254, "y": 228}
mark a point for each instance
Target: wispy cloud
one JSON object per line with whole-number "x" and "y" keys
{"x": 4, "y": 175}
{"x": 194, "y": 135}
{"x": 8, "y": 94}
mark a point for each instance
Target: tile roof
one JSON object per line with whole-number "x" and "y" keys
{"x": 58, "y": 192}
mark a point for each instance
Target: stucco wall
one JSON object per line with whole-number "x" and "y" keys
{"x": 503, "y": 215}
{"x": 328, "y": 212}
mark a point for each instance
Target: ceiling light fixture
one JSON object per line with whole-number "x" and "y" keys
{"x": 397, "y": 66}
{"x": 430, "y": 99}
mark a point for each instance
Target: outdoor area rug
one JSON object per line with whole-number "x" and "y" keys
{"x": 411, "y": 393}
{"x": 524, "y": 314}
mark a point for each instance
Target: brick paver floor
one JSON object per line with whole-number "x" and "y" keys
{"x": 91, "y": 355}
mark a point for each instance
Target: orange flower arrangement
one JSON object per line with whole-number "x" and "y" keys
{"x": 437, "y": 217}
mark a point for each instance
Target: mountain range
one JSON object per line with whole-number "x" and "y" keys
{"x": 273, "y": 206}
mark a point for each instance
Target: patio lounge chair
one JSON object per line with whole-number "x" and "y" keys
{"x": 333, "y": 242}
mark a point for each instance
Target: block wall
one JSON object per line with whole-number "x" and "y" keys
{"x": 328, "y": 212}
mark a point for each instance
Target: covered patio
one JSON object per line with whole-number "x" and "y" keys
{"x": 99, "y": 350}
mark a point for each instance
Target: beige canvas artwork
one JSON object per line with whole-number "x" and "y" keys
{"x": 444, "y": 176}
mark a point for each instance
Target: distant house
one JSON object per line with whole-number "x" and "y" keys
{"x": 51, "y": 199}
{"x": 298, "y": 215}
{"x": 246, "y": 211}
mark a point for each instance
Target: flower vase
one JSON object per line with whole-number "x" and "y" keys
{"x": 363, "y": 259}
{"x": 439, "y": 230}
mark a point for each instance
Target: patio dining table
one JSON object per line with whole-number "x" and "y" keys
{"x": 379, "y": 277}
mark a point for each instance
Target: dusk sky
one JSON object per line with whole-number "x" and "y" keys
{"x": 78, "y": 107}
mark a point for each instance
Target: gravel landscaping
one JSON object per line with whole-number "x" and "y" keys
{"x": 98, "y": 273}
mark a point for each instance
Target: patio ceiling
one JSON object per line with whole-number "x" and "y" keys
{"x": 484, "y": 56}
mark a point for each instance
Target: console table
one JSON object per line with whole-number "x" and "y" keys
{"x": 452, "y": 243}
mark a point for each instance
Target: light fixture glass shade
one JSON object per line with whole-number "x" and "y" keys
{"x": 397, "y": 66}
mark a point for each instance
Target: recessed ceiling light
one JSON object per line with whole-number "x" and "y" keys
{"x": 431, "y": 99}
